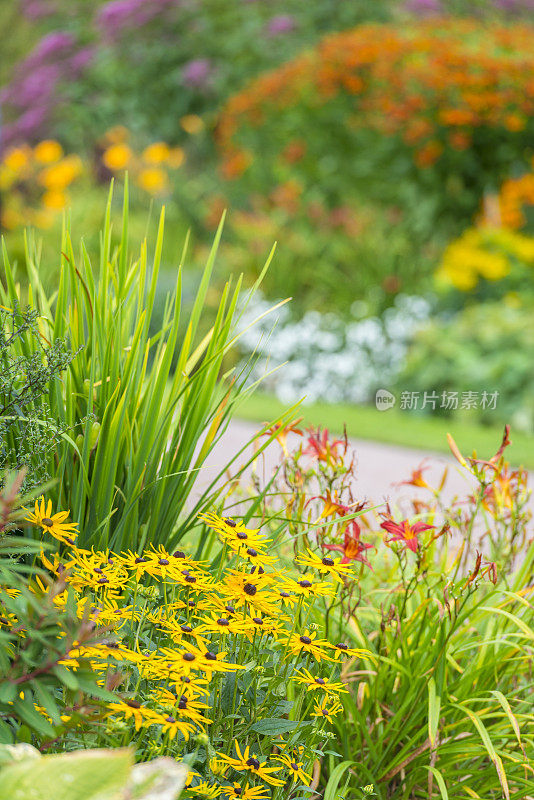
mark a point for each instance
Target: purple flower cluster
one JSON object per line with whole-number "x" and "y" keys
{"x": 34, "y": 92}
{"x": 115, "y": 17}
{"x": 282, "y": 23}
{"x": 196, "y": 74}
{"x": 36, "y": 10}
{"x": 424, "y": 8}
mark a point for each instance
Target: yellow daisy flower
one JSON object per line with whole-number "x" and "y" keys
{"x": 54, "y": 524}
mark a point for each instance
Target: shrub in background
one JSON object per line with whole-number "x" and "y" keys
{"x": 440, "y": 110}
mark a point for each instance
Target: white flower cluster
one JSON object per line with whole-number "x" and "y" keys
{"x": 322, "y": 357}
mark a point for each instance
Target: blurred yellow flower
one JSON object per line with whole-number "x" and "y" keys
{"x": 117, "y": 157}
{"x": 43, "y": 218}
{"x": 192, "y": 123}
{"x": 117, "y": 134}
{"x": 153, "y": 181}
{"x": 11, "y": 218}
{"x": 176, "y": 157}
{"x": 54, "y": 200}
{"x": 17, "y": 158}
{"x": 156, "y": 153}
{"x": 47, "y": 151}
{"x": 58, "y": 176}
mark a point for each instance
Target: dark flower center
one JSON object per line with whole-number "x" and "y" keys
{"x": 182, "y": 705}
{"x": 230, "y": 522}
{"x": 252, "y": 552}
{"x": 71, "y": 541}
{"x": 223, "y": 622}
{"x": 185, "y": 679}
{"x": 191, "y": 603}
{"x": 324, "y": 712}
{"x": 320, "y": 681}
{"x": 250, "y": 589}
{"x": 190, "y": 579}
{"x": 305, "y": 584}
{"x": 47, "y": 521}
{"x": 170, "y": 719}
{"x": 210, "y": 656}
{"x": 294, "y": 766}
{"x": 178, "y": 554}
{"x": 133, "y": 703}
{"x": 238, "y": 791}
{"x": 257, "y": 620}
{"x": 328, "y": 562}
{"x": 253, "y": 762}
{"x": 99, "y": 571}
{"x": 230, "y": 609}
{"x": 305, "y": 640}
{"x": 140, "y": 560}
{"x": 285, "y": 594}
{"x": 103, "y": 580}
{"x": 259, "y": 570}
{"x": 163, "y": 562}
{"x": 186, "y": 628}
{"x": 342, "y": 646}
{"x": 241, "y": 535}
{"x": 188, "y": 657}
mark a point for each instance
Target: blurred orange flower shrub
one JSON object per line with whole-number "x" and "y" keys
{"x": 449, "y": 94}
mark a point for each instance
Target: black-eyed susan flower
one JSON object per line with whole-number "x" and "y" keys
{"x": 251, "y": 589}
{"x": 245, "y": 792}
{"x": 132, "y": 709}
{"x": 246, "y": 761}
{"x": 295, "y": 768}
{"x": 223, "y": 623}
{"x": 306, "y": 642}
{"x": 326, "y": 709}
{"x": 235, "y": 534}
{"x": 171, "y": 725}
{"x": 318, "y": 683}
{"x": 205, "y": 790}
{"x": 308, "y": 586}
{"x": 326, "y": 565}
{"x": 54, "y": 524}
{"x": 343, "y": 649}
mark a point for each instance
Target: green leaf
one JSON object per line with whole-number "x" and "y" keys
{"x": 335, "y": 779}
{"x": 83, "y": 775}
{"x": 272, "y": 726}
{"x": 441, "y": 783}
{"x": 27, "y": 713}
{"x": 434, "y": 707}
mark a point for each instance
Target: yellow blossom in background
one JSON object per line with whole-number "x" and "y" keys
{"x": 176, "y": 157}
{"x": 192, "y": 123}
{"x": 48, "y": 151}
{"x": 116, "y": 134}
{"x": 153, "y": 180}
{"x": 58, "y": 176}
{"x": 117, "y": 157}
{"x": 54, "y": 200}
{"x": 156, "y": 153}
{"x": 17, "y": 158}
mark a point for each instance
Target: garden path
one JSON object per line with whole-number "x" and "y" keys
{"x": 379, "y": 467}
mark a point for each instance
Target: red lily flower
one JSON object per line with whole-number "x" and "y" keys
{"x": 353, "y": 548}
{"x": 321, "y": 449}
{"x": 404, "y": 532}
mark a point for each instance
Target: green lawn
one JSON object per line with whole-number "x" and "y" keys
{"x": 396, "y": 427}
